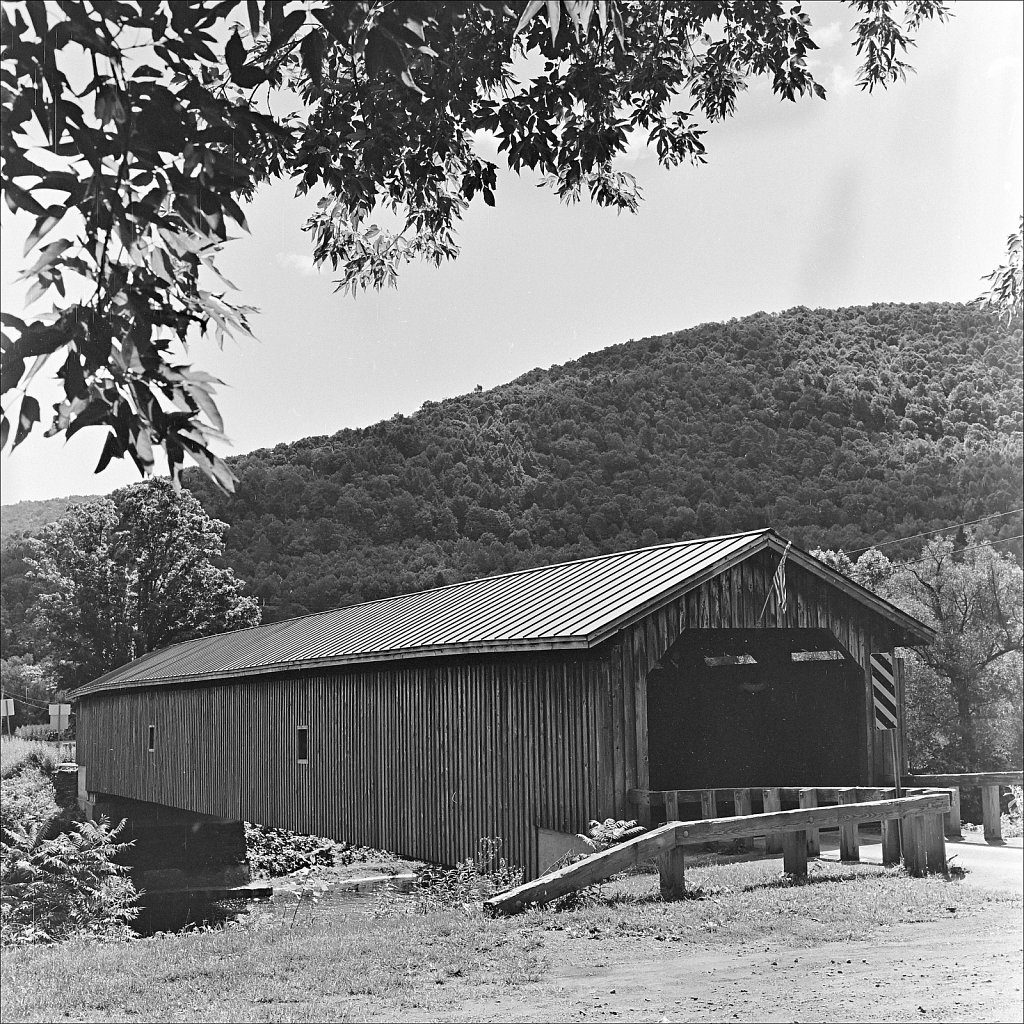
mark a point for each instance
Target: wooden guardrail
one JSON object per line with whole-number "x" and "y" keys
{"x": 989, "y": 782}
{"x": 924, "y": 847}
{"x": 771, "y": 799}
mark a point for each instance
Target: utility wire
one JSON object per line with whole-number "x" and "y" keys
{"x": 970, "y": 547}
{"x": 928, "y": 533}
{"x": 27, "y": 700}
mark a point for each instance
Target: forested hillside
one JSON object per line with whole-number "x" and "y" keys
{"x": 840, "y": 428}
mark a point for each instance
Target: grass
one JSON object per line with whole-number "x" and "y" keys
{"x": 330, "y": 963}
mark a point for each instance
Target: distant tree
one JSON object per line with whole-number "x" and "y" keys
{"x": 130, "y": 574}
{"x": 964, "y": 702}
{"x": 133, "y": 131}
{"x": 30, "y": 685}
{"x": 963, "y": 692}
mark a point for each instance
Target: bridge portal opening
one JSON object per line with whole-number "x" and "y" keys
{"x": 756, "y": 707}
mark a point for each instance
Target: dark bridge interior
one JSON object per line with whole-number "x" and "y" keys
{"x": 755, "y": 707}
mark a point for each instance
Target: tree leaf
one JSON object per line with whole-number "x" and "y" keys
{"x": 529, "y": 14}
{"x": 28, "y": 416}
{"x": 18, "y": 199}
{"x": 234, "y": 53}
{"x": 112, "y": 449}
{"x": 311, "y": 50}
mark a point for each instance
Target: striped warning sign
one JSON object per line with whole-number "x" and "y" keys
{"x": 883, "y": 690}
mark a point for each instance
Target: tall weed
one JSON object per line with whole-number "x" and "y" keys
{"x": 27, "y": 799}
{"x": 57, "y": 884}
{"x": 463, "y": 887}
{"x": 18, "y": 754}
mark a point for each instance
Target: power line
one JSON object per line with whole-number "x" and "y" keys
{"x": 970, "y": 547}
{"x": 27, "y": 700}
{"x": 928, "y": 533}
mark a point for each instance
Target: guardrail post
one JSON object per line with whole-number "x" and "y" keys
{"x": 794, "y": 853}
{"x": 849, "y": 841}
{"x": 935, "y": 841}
{"x": 772, "y": 801}
{"x": 644, "y": 809}
{"x": 891, "y": 845}
{"x": 741, "y": 804}
{"x": 672, "y": 805}
{"x": 809, "y": 798}
{"x": 990, "y": 813}
{"x": 671, "y": 865}
{"x": 708, "y": 804}
{"x": 953, "y": 818}
{"x": 915, "y": 853}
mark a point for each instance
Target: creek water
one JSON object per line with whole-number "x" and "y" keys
{"x": 174, "y": 912}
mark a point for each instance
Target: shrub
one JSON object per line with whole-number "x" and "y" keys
{"x": 57, "y": 884}
{"x": 18, "y": 754}
{"x": 278, "y": 851}
{"x": 466, "y": 885}
{"x": 26, "y": 799}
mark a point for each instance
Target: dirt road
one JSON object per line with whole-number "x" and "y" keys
{"x": 963, "y": 970}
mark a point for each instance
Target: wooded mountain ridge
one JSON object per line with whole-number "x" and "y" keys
{"x": 840, "y": 428}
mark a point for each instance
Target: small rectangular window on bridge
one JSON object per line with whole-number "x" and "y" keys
{"x": 302, "y": 744}
{"x": 152, "y": 738}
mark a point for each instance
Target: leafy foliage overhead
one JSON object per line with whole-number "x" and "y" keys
{"x": 1006, "y": 293}
{"x": 135, "y": 131}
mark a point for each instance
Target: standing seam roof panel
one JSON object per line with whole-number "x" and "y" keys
{"x": 573, "y": 604}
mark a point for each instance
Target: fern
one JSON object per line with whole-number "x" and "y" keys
{"x": 59, "y": 879}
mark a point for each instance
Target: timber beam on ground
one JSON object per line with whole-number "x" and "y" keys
{"x": 923, "y": 846}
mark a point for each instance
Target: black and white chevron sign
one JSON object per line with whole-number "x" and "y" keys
{"x": 883, "y": 690}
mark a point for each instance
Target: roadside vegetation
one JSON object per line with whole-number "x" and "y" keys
{"x": 58, "y": 873}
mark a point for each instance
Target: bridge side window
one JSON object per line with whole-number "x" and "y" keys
{"x": 152, "y": 738}
{"x": 302, "y": 744}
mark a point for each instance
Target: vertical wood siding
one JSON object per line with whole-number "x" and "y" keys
{"x": 421, "y": 758}
{"x": 425, "y": 757}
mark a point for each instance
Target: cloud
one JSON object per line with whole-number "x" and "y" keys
{"x": 300, "y": 261}
{"x": 828, "y": 35}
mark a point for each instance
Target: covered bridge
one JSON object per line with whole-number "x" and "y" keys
{"x": 519, "y": 705}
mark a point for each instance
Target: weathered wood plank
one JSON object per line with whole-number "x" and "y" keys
{"x": 990, "y": 813}
{"x": 968, "y": 779}
{"x": 794, "y": 853}
{"x": 849, "y": 841}
{"x": 671, "y": 869}
{"x": 953, "y": 819}
{"x": 708, "y": 803}
{"x": 935, "y": 843}
{"x": 915, "y": 850}
{"x": 772, "y": 801}
{"x": 652, "y": 844}
{"x": 671, "y": 806}
{"x": 892, "y": 849}
{"x": 808, "y": 798}
{"x": 742, "y": 807}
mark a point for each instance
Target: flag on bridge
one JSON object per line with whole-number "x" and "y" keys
{"x": 778, "y": 587}
{"x": 883, "y": 691}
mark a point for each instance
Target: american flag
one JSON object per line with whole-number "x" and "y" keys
{"x": 778, "y": 584}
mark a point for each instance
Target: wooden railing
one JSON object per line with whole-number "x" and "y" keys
{"x": 771, "y": 799}
{"x": 923, "y": 845}
{"x": 989, "y": 782}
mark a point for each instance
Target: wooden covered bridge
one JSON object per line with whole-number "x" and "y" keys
{"x": 520, "y": 706}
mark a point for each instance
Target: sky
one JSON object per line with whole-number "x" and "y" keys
{"x": 898, "y": 196}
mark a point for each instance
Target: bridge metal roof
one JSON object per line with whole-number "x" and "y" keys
{"x": 570, "y": 605}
